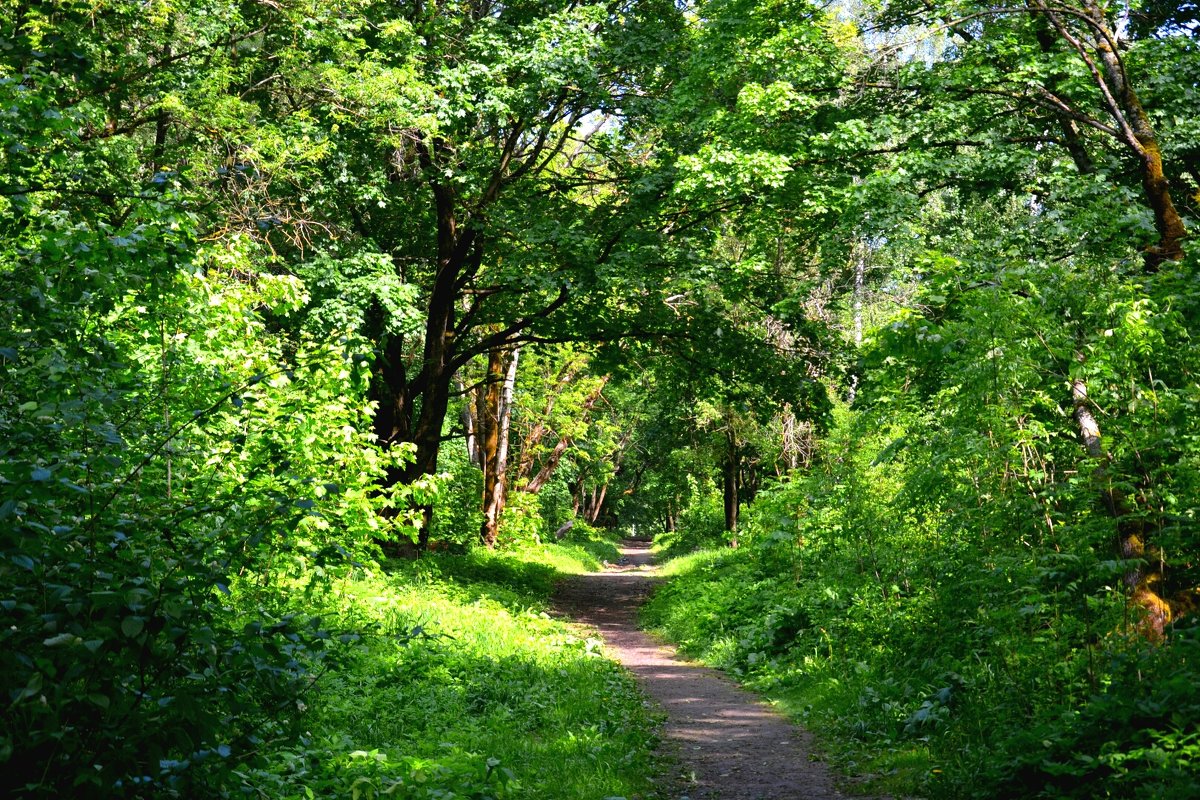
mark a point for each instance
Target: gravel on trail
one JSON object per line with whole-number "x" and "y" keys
{"x": 731, "y": 745}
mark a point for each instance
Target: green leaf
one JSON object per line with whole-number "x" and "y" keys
{"x": 60, "y": 640}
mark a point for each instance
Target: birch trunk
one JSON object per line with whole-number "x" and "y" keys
{"x": 489, "y": 412}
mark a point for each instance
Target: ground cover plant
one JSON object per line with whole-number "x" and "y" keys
{"x": 932, "y": 660}
{"x": 461, "y": 685}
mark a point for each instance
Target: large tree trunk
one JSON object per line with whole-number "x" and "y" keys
{"x": 494, "y": 418}
{"x": 1132, "y": 124}
{"x": 1096, "y": 48}
{"x": 489, "y": 445}
{"x": 438, "y": 373}
{"x": 459, "y": 255}
{"x": 506, "y": 405}
{"x": 1144, "y": 578}
{"x": 392, "y": 423}
{"x": 1142, "y": 139}
{"x": 397, "y": 392}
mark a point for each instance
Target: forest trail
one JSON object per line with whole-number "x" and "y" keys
{"x": 732, "y": 745}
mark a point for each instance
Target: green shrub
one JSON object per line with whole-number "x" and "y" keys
{"x": 163, "y": 466}
{"x": 950, "y": 660}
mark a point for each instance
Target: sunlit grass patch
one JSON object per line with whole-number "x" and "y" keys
{"x": 464, "y": 684}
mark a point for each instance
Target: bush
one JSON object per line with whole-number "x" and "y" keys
{"x": 160, "y": 472}
{"x": 953, "y": 661}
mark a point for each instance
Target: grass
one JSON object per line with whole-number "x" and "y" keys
{"x": 943, "y": 691}
{"x": 721, "y": 610}
{"x": 464, "y": 686}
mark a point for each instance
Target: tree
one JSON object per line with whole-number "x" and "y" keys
{"x": 504, "y": 192}
{"x": 494, "y": 412}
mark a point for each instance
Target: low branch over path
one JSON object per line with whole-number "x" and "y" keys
{"x": 736, "y": 746}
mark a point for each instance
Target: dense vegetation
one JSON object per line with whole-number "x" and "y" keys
{"x": 332, "y": 331}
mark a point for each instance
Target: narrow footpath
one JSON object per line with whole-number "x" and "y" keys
{"x": 732, "y": 745}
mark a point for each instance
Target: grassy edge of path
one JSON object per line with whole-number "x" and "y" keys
{"x": 684, "y": 611}
{"x": 463, "y": 686}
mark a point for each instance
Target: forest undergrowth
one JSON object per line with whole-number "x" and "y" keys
{"x": 929, "y": 659}
{"x": 462, "y": 686}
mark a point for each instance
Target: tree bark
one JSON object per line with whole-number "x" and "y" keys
{"x": 1133, "y": 127}
{"x": 598, "y": 496}
{"x": 1144, "y": 577}
{"x": 1144, "y": 143}
{"x": 494, "y": 421}
{"x": 506, "y": 406}
{"x": 455, "y": 252}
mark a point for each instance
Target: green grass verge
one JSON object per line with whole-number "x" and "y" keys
{"x": 940, "y": 694}
{"x": 720, "y": 608}
{"x": 464, "y": 687}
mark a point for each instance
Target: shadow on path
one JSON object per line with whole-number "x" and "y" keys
{"x": 736, "y": 746}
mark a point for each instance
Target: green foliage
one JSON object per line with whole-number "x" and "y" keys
{"x": 953, "y": 650}
{"x": 1137, "y": 738}
{"x": 701, "y": 522}
{"x": 358, "y": 292}
{"x": 163, "y": 463}
{"x": 457, "y": 512}
{"x": 522, "y": 520}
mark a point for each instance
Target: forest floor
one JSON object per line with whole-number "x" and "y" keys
{"x": 730, "y": 744}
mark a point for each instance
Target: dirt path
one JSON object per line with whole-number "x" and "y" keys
{"x": 734, "y": 746}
